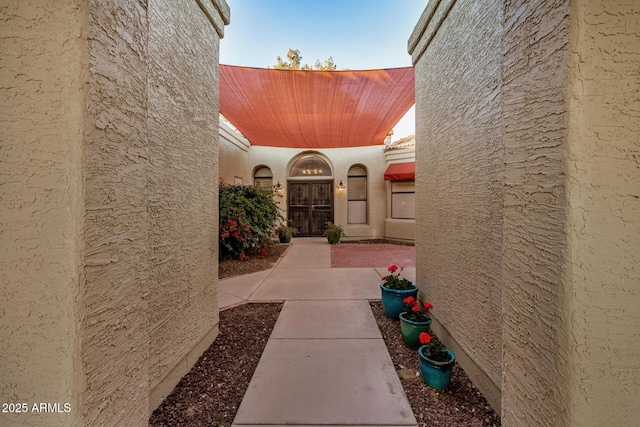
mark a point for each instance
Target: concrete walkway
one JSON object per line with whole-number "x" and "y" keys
{"x": 325, "y": 362}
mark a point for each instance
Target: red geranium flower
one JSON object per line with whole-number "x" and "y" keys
{"x": 409, "y": 300}
{"x": 393, "y": 268}
{"x": 415, "y": 308}
{"x": 428, "y": 306}
{"x": 425, "y": 338}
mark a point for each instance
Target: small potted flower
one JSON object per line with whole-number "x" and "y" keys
{"x": 394, "y": 290}
{"x": 436, "y": 362}
{"x": 333, "y": 233}
{"x": 414, "y": 321}
{"x": 285, "y": 233}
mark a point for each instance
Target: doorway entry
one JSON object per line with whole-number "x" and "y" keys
{"x": 310, "y": 206}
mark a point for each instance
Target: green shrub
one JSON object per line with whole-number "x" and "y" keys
{"x": 248, "y": 216}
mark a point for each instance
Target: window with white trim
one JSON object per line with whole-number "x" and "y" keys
{"x": 357, "y": 195}
{"x": 403, "y": 199}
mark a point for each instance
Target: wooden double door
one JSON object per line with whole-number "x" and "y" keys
{"x": 310, "y": 206}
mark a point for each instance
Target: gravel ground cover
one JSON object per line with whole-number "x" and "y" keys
{"x": 460, "y": 404}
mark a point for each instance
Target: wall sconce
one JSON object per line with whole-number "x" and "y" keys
{"x": 341, "y": 187}
{"x": 279, "y": 188}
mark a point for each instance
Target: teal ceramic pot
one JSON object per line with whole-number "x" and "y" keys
{"x": 393, "y": 300}
{"x": 435, "y": 374}
{"x": 411, "y": 330}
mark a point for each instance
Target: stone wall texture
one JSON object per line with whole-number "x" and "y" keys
{"x": 43, "y": 74}
{"x": 109, "y": 217}
{"x": 459, "y": 179}
{"x": 562, "y": 190}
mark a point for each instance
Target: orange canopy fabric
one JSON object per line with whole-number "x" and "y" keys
{"x": 315, "y": 109}
{"x": 401, "y": 171}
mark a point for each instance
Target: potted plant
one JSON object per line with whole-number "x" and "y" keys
{"x": 333, "y": 232}
{"x": 394, "y": 290}
{"x": 285, "y": 233}
{"x": 436, "y": 362}
{"x": 414, "y": 321}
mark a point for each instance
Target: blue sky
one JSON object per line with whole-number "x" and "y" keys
{"x": 359, "y": 34}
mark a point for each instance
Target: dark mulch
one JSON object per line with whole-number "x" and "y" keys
{"x": 210, "y": 394}
{"x": 460, "y": 404}
{"x": 251, "y": 264}
{"x": 376, "y": 241}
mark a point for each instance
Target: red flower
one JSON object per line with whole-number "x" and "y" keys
{"x": 409, "y": 300}
{"x": 428, "y": 306}
{"x": 425, "y": 338}
{"x": 415, "y": 308}
{"x": 393, "y": 268}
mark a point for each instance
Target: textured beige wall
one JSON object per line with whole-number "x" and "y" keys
{"x": 459, "y": 179}
{"x": 233, "y": 156}
{"x": 109, "y": 224}
{"x": 183, "y": 196}
{"x": 340, "y": 160}
{"x": 183, "y": 130}
{"x": 569, "y": 85}
{"x": 115, "y": 327}
{"x": 602, "y": 167}
{"x": 533, "y": 93}
{"x": 43, "y": 70}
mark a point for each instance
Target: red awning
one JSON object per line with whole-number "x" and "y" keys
{"x": 315, "y": 109}
{"x": 401, "y": 171}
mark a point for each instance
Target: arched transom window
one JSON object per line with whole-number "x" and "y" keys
{"x": 263, "y": 177}
{"x": 310, "y": 166}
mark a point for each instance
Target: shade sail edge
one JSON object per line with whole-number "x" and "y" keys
{"x": 315, "y": 109}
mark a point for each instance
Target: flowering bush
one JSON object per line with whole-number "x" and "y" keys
{"x": 246, "y": 220}
{"x": 435, "y": 350}
{"x": 413, "y": 311}
{"x": 393, "y": 281}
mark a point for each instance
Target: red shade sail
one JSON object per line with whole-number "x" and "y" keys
{"x": 315, "y": 109}
{"x": 401, "y": 171}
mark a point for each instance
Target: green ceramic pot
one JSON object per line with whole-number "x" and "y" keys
{"x": 411, "y": 330}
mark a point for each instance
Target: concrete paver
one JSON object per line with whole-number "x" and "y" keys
{"x": 245, "y": 285}
{"x": 324, "y": 319}
{"x": 319, "y": 283}
{"x": 372, "y": 255}
{"x": 335, "y": 382}
{"x": 226, "y": 300}
{"x": 325, "y": 362}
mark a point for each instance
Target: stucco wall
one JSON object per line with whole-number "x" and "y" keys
{"x": 110, "y": 219}
{"x": 535, "y": 41}
{"x": 233, "y": 155}
{"x": 114, "y": 328}
{"x": 183, "y": 197}
{"x": 340, "y": 160}
{"x": 602, "y": 167}
{"x": 43, "y": 71}
{"x": 569, "y": 80}
{"x": 459, "y": 180}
